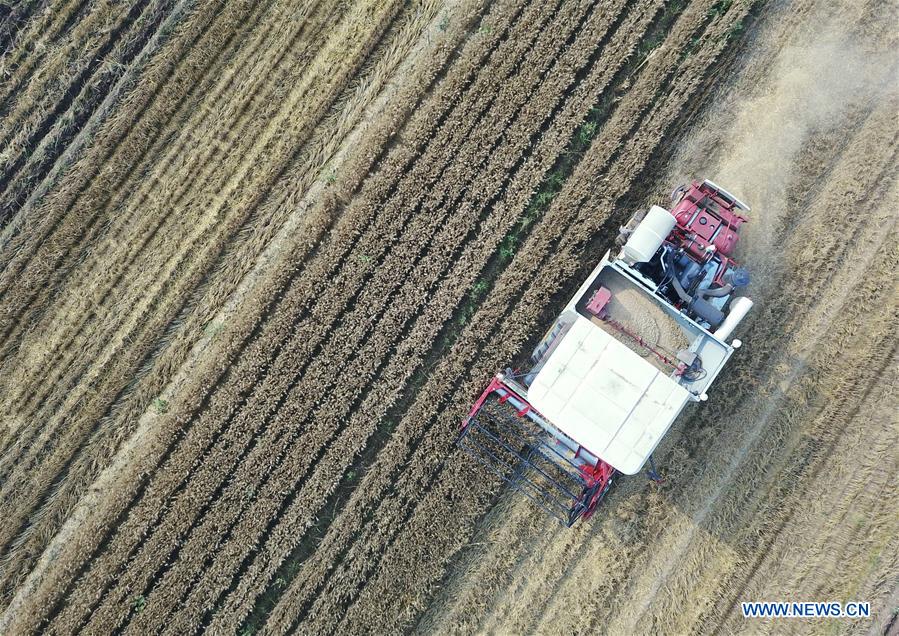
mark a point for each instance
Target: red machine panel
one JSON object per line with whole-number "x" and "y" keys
{"x": 705, "y": 218}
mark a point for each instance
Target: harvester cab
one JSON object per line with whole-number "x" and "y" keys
{"x": 644, "y": 335}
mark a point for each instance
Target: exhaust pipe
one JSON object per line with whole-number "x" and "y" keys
{"x": 738, "y": 309}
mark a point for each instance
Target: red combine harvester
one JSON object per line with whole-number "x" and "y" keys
{"x": 642, "y": 337}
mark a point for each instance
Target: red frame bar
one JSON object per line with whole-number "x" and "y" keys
{"x": 600, "y": 473}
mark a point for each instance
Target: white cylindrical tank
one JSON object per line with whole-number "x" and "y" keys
{"x": 739, "y": 307}
{"x": 648, "y": 235}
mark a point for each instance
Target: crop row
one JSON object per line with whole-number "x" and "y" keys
{"x": 411, "y": 480}
{"x": 248, "y": 419}
{"x": 34, "y": 81}
{"x": 261, "y": 350}
{"x": 365, "y": 410}
{"x": 47, "y": 127}
{"x": 251, "y": 330}
{"x": 87, "y": 418}
{"x": 300, "y": 243}
{"x": 167, "y": 203}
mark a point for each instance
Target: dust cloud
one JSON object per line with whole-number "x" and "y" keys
{"x": 754, "y": 147}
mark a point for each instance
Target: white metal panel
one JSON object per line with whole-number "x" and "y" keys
{"x": 606, "y": 397}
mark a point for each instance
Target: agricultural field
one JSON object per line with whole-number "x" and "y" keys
{"x": 257, "y": 259}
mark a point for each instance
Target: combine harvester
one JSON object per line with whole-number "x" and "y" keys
{"x": 643, "y": 336}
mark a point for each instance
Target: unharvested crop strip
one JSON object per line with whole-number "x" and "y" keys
{"x": 142, "y": 322}
{"x": 368, "y": 410}
{"x": 408, "y": 291}
{"x": 401, "y": 551}
{"x": 522, "y": 188}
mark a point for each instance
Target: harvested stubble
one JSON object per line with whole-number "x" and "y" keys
{"x": 125, "y": 147}
{"x": 131, "y": 251}
{"x": 62, "y": 110}
{"x": 200, "y": 57}
{"x": 133, "y": 335}
{"x": 140, "y": 284}
{"x": 21, "y": 22}
{"x": 32, "y": 89}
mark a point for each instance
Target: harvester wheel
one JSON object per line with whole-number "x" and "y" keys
{"x": 597, "y": 499}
